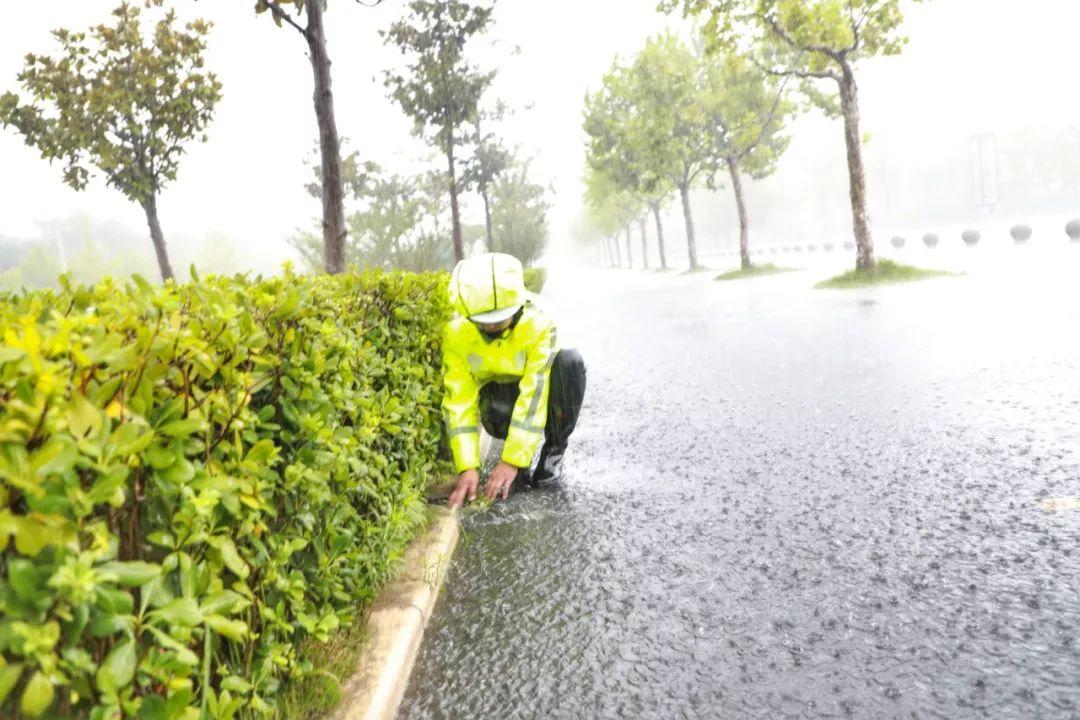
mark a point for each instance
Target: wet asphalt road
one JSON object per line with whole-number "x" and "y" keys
{"x": 788, "y": 503}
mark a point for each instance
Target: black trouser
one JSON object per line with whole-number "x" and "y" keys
{"x": 564, "y": 402}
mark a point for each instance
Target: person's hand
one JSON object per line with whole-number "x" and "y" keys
{"x": 466, "y": 488}
{"x": 499, "y": 482}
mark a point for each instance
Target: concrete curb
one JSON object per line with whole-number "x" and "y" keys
{"x": 395, "y": 625}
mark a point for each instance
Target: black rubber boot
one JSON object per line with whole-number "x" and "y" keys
{"x": 523, "y": 479}
{"x": 549, "y": 468}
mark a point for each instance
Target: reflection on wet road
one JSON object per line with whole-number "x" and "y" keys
{"x": 784, "y": 502}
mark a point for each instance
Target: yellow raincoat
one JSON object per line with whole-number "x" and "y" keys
{"x": 522, "y": 354}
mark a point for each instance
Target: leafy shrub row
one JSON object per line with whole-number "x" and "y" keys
{"x": 196, "y": 479}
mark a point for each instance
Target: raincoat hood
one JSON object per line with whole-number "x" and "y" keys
{"x": 488, "y": 288}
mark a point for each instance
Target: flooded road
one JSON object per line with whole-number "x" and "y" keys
{"x": 788, "y": 503}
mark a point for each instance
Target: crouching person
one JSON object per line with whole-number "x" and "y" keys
{"x": 502, "y": 367}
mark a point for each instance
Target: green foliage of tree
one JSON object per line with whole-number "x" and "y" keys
{"x": 439, "y": 89}
{"x": 38, "y": 266}
{"x": 671, "y": 119}
{"x": 490, "y": 159}
{"x": 667, "y": 78}
{"x": 399, "y": 222}
{"x": 651, "y": 130}
{"x": 218, "y": 254}
{"x": 122, "y": 101}
{"x": 610, "y": 210}
{"x": 519, "y": 215}
{"x": 88, "y": 250}
{"x": 813, "y": 41}
{"x": 625, "y": 147}
{"x": 748, "y": 108}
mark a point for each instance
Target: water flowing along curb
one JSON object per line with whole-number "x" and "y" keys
{"x": 395, "y": 625}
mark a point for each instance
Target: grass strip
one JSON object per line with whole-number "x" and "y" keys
{"x": 753, "y": 271}
{"x": 884, "y": 272}
{"x": 333, "y": 662}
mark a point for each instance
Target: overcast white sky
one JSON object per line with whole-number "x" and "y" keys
{"x": 971, "y": 64}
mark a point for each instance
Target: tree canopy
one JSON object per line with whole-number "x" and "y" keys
{"x": 812, "y": 40}
{"x": 440, "y": 89}
{"x": 671, "y": 120}
{"x": 120, "y": 101}
{"x": 519, "y": 214}
{"x": 395, "y": 221}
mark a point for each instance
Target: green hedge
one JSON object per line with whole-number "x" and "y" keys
{"x": 197, "y": 479}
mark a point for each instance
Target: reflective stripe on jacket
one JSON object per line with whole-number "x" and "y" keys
{"x": 470, "y": 360}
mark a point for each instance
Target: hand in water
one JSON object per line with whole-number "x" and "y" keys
{"x": 466, "y": 488}
{"x": 498, "y": 484}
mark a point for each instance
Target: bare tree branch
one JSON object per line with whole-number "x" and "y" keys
{"x": 804, "y": 74}
{"x": 282, "y": 16}
{"x": 768, "y": 121}
{"x": 856, "y": 29}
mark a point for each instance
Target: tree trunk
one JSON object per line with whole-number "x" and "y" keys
{"x": 150, "y": 207}
{"x": 659, "y": 235}
{"x": 629, "y": 250}
{"x": 744, "y": 220}
{"x": 334, "y": 229}
{"x": 691, "y": 242}
{"x": 455, "y": 213}
{"x": 644, "y": 243}
{"x": 487, "y": 218}
{"x": 618, "y": 252}
{"x": 849, "y": 104}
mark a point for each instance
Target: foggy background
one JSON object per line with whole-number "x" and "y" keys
{"x": 976, "y": 123}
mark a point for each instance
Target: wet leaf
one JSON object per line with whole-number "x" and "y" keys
{"x": 118, "y": 668}
{"x": 181, "y": 428}
{"x": 9, "y": 676}
{"x": 37, "y": 697}
{"x": 182, "y": 611}
{"x": 232, "y": 559}
{"x": 232, "y": 629}
{"x": 132, "y": 573}
{"x": 84, "y": 420}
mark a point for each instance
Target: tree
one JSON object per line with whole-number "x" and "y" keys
{"x": 813, "y": 40}
{"x": 611, "y": 210}
{"x": 748, "y": 110}
{"x": 218, "y": 254}
{"x": 669, "y": 86}
{"x": 661, "y": 107}
{"x": 519, "y": 217}
{"x": 334, "y": 230}
{"x": 399, "y": 223}
{"x": 642, "y": 227}
{"x": 626, "y": 146}
{"x": 122, "y": 102}
{"x": 440, "y": 90}
{"x": 489, "y": 161}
